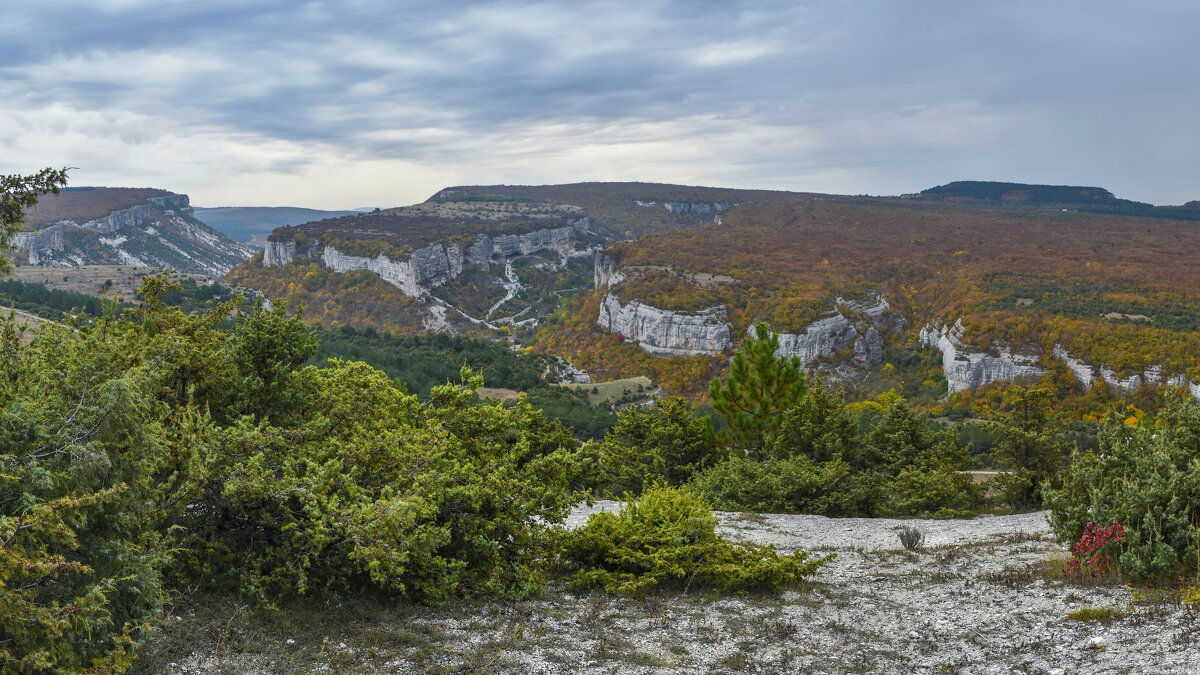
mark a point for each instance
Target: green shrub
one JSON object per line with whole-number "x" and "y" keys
{"x": 818, "y": 427}
{"x": 93, "y": 467}
{"x": 667, "y": 537}
{"x": 935, "y": 492}
{"x": 665, "y": 443}
{"x": 1096, "y": 615}
{"x": 1146, "y": 478}
{"x": 371, "y": 486}
{"x": 795, "y": 485}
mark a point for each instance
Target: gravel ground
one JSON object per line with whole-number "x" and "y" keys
{"x": 982, "y": 596}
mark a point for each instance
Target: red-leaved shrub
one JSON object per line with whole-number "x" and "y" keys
{"x": 1090, "y": 553}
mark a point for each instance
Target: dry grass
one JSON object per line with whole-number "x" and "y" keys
{"x": 610, "y": 392}
{"x": 90, "y": 279}
{"x": 498, "y": 393}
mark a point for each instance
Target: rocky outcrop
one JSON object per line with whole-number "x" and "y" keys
{"x": 160, "y": 232}
{"x": 702, "y": 208}
{"x": 604, "y": 271}
{"x": 855, "y": 325}
{"x": 967, "y": 368}
{"x": 485, "y": 250}
{"x": 37, "y": 244}
{"x": 667, "y": 332}
{"x": 431, "y": 265}
{"x": 565, "y": 372}
{"x": 713, "y": 209}
{"x": 279, "y": 253}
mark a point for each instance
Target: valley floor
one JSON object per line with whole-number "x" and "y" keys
{"x": 983, "y": 596}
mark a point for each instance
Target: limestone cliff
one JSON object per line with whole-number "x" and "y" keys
{"x": 604, "y": 270}
{"x": 667, "y": 332}
{"x": 855, "y": 325}
{"x": 967, "y": 368}
{"x": 431, "y": 265}
{"x": 159, "y": 232}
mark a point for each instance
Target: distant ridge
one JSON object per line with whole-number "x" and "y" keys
{"x": 252, "y": 224}
{"x": 1082, "y": 198}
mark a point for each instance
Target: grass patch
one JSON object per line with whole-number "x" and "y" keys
{"x": 617, "y": 390}
{"x": 1096, "y": 615}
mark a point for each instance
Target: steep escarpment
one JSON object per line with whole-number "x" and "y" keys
{"x": 968, "y": 367}
{"x": 418, "y": 271}
{"x": 624, "y": 210}
{"x": 469, "y": 266}
{"x": 854, "y": 325}
{"x": 1116, "y": 293}
{"x": 100, "y": 226}
{"x": 667, "y": 332}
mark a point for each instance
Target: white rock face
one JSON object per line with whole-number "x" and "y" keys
{"x": 432, "y": 265}
{"x": 162, "y": 232}
{"x": 1083, "y": 372}
{"x": 279, "y": 253}
{"x": 41, "y": 242}
{"x": 702, "y": 208}
{"x": 604, "y": 271}
{"x": 667, "y": 332}
{"x": 824, "y": 338}
{"x": 567, "y": 373}
{"x": 967, "y": 369}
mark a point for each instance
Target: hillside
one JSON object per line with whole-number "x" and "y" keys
{"x": 626, "y": 209}
{"x": 252, "y": 224}
{"x": 859, "y": 282}
{"x": 1073, "y": 197}
{"x": 946, "y": 291}
{"x": 124, "y": 226}
{"x": 470, "y": 259}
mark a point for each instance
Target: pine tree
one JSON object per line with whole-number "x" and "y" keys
{"x": 760, "y": 387}
{"x": 1029, "y": 442}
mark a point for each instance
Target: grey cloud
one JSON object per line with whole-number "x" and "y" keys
{"x": 898, "y": 95}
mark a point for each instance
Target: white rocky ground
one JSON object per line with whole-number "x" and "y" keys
{"x": 983, "y": 596}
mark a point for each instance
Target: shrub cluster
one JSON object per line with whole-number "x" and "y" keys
{"x": 667, "y": 538}
{"x": 820, "y": 463}
{"x": 158, "y": 450}
{"x": 1147, "y": 478}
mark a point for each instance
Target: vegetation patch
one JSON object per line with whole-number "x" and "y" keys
{"x": 1096, "y": 615}
{"x": 666, "y": 538}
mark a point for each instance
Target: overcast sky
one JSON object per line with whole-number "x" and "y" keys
{"x": 382, "y": 102}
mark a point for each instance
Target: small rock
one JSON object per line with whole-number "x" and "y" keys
{"x": 914, "y": 635}
{"x": 290, "y": 641}
{"x": 1057, "y": 671}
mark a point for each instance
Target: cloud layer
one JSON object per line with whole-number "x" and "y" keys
{"x": 374, "y": 102}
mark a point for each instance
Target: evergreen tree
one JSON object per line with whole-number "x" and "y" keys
{"x": 819, "y": 427}
{"x": 666, "y": 443}
{"x": 760, "y": 387}
{"x": 1029, "y": 442}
